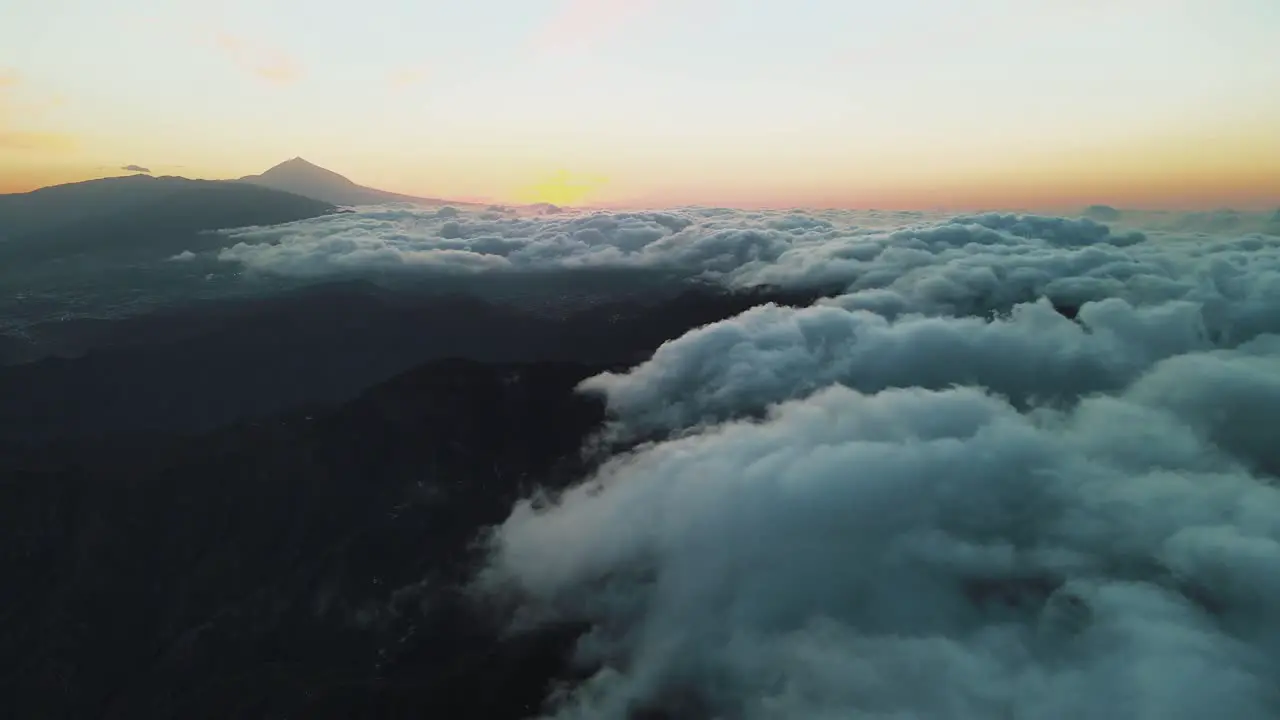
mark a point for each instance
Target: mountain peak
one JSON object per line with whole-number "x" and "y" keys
{"x": 300, "y": 169}
{"x": 297, "y": 162}
{"x": 302, "y": 177}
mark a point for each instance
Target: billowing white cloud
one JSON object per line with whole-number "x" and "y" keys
{"x": 934, "y": 494}
{"x": 892, "y": 261}
{"x": 932, "y": 553}
{"x": 771, "y": 354}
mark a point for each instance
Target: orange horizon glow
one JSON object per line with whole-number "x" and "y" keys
{"x": 644, "y": 103}
{"x": 1200, "y": 170}
{"x": 1245, "y": 190}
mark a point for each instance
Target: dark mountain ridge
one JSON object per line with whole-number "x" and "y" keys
{"x": 100, "y": 249}
{"x": 276, "y": 514}
{"x": 321, "y": 346}
{"x": 307, "y": 567}
{"x": 308, "y": 563}
{"x": 61, "y": 214}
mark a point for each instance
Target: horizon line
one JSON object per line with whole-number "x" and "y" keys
{"x": 640, "y": 206}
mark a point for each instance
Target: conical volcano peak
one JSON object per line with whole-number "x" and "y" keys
{"x": 297, "y": 162}
{"x": 303, "y": 177}
{"x": 298, "y": 168}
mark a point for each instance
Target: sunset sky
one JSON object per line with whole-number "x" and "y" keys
{"x": 845, "y": 103}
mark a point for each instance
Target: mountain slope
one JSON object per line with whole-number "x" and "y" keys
{"x": 57, "y": 205}
{"x": 135, "y": 215}
{"x": 304, "y": 567}
{"x": 306, "y": 564}
{"x": 318, "y": 346}
{"x": 309, "y": 180}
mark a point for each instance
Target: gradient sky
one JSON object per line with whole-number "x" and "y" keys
{"x": 908, "y": 103}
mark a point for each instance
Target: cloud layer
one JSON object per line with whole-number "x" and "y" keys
{"x": 923, "y": 257}
{"x": 932, "y": 495}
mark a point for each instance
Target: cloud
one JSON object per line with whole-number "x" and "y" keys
{"x": 581, "y": 23}
{"x": 1033, "y": 355}
{"x": 887, "y": 262}
{"x": 453, "y": 242}
{"x": 1110, "y": 559}
{"x": 136, "y": 168}
{"x": 932, "y": 494}
{"x": 1013, "y": 466}
{"x": 1205, "y": 223}
{"x": 269, "y": 64}
{"x": 1106, "y": 561}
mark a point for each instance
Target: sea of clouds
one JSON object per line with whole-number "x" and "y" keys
{"x": 930, "y": 495}
{"x": 898, "y": 261}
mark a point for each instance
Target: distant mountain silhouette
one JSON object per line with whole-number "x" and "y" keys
{"x": 135, "y": 216}
{"x": 309, "y": 180}
{"x": 1103, "y": 213}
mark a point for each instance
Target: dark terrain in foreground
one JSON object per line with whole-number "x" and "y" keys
{"x": 305, "y": 558}
{"x": 196, "y": 370}
{"x": 306, "y": 567}
{"x": 271, "y": 511}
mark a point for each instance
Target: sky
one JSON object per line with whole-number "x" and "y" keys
{"x": 771, "y": 103}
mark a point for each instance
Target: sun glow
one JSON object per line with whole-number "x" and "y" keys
{"x": 562, "y": 188}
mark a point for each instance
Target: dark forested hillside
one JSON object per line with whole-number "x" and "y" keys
{"x": 305, "y": 562}
{"x": 194, "y": 370}
{"x": 229, "y": 522}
